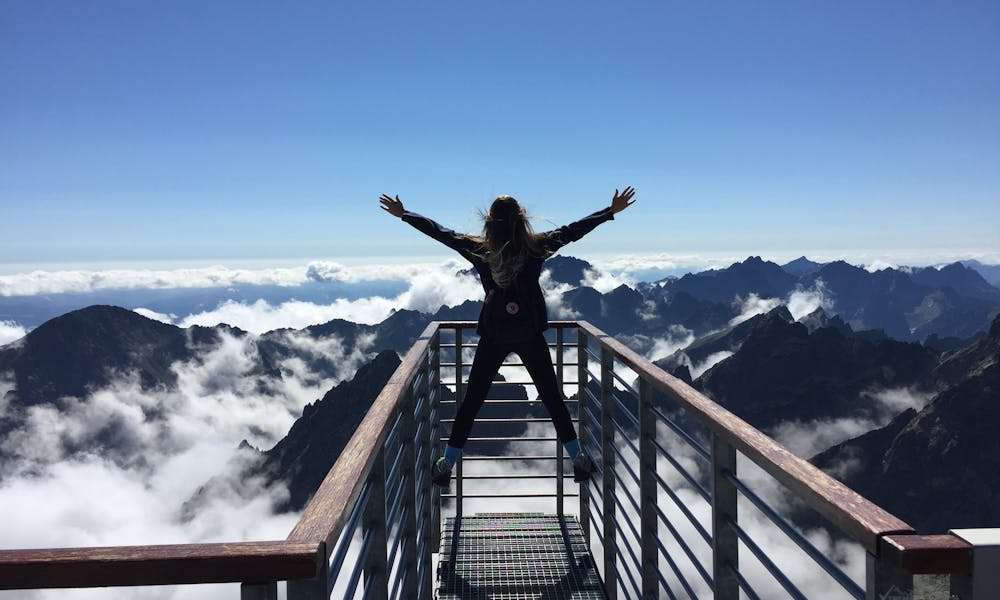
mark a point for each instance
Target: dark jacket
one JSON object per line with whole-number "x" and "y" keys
{"x": 527, "y": 279}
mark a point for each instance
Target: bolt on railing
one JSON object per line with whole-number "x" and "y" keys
{"x": 667, "y": 504}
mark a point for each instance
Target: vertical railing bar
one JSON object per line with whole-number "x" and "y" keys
{"x": 374, "y": 527}
{"x": 608, "y": 482}
{"x": 408, "y": 561}
{"x": 725, "y": 542}
{"x": 434, "y": 421}
{"x": 425, "y": 565}
{"x": 266, "y": 590}
{"x": 647, "y": 489}
{"x": 459, "y": 396}
{"x": 559, "y": 447}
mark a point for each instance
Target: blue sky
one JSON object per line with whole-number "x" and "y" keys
{"x": 188, "y": 131}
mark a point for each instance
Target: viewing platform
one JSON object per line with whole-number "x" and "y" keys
{"x": 688, "y": 501}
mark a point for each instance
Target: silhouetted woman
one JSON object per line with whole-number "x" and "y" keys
{"x": 508, "y": 257}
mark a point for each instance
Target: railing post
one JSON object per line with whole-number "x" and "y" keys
{"x": 317, "y": 588}
{"x": 376, "y": 570}
{"x": 560, "y": 467}
{"x": 984, "y": 581}
{"x": 647, "y": 491}
{"x": 725, "y": 543}
{"x": 408, "y": 533}
{"x": 430, "y": 517}
{"x": 608, "y": 480}
{"x": 459, "y": 395}
{"x": 581, "y": 395}
{"x": 259, "y": 591}
{"x": 886, "y": 580}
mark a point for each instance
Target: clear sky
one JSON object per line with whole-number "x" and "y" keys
{"x": 219, "y": 130}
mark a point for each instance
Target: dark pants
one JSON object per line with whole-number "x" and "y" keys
{"x": 534, "y": 354}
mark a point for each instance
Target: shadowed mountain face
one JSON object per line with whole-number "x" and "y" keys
{"x": 938, "y": 468}
{"x": 316, "y": 440}
{"x": 90, "y": 347}
{"x": 783, "y": 373}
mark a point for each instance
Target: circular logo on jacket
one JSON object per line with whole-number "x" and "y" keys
{"x": 513, "y": 308}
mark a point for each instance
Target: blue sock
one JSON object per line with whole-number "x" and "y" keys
{"x": 573, "y": 448}
{"x": 451, "y": 454}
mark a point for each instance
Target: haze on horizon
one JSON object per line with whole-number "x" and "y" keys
{"x": 182, "y": 133}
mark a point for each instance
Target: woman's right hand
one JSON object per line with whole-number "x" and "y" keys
{"x": 622, "y": 201}
{"x": 393, "y": 206}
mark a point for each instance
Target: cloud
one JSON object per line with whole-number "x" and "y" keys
{"x": 554, "y": 302}
{"x": 605, "y": 281}
{"x": 10, "y": 332}
{"x": 803, "y": 302}
{"x": 751, "y": 306}
{"x": 216, "y": 276}
{"x": 678, "y": 337}
{"x": 428, "y": 291}
{"x": 149, "y": 454}
{"x": 808, "y": 438}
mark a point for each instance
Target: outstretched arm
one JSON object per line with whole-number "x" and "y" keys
{"x": 460, "y": 243}
{"x": 574, "y": 231}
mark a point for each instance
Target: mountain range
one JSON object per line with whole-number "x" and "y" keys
{"x": 852, "y": 334}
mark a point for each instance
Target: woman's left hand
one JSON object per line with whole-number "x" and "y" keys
{"x": 393, "y": 206}
{"x": 622, "y": 201}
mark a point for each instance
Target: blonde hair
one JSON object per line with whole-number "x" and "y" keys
{"x": 508, "y": 240}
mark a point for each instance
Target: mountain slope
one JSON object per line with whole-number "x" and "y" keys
{"x": 939, "y": 468}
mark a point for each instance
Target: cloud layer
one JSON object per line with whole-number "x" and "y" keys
{"x": 125, "y": 465}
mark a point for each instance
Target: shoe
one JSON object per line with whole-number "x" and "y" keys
{"x": 583, "y": 467}
{"x": 441, "y": 473}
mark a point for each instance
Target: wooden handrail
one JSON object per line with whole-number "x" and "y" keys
{"x": 158, "y": 565}
{"x": 858, "y": 517}
{"x": 327, "y": 512}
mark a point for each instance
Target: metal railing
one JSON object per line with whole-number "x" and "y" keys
{"x": 675, "y": 506}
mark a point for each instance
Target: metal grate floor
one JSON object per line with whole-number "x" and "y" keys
{"x": 516, "y": 556}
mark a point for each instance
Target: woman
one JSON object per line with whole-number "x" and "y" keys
{"x": 508, "y": 257}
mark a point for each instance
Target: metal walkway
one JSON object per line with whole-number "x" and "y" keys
{"x": 516, "y": 556}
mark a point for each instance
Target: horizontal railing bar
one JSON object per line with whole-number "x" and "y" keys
{"x": 625, "y": 410}
{"x": 702, "y": 491}
{"x": 498, "y": 402}
{"x": 664, "y": 586}
{"x": 512, "y": 420}
{"x": 687, "y": 513}
{"x": 352, "y": 583}
{"x": 628, "y": 573}
{"x": 687, "y": 437}
{"x": 800, "y": 540}
{"x": 772, "y": 568}
{"x": 517, "y": 476}
{"x": 391, "y": 560}
{"x": 466, "y": 366}
{"x": 677, "y": 570}
{"x": 158, "y": 564}
{"x": 856, "y": 516}
{"x": 686, "y": 548}
{"x": 631, "y": 472}
{"x": 628, "y": 387}
{"x": 506, "y": 439}
{"x": 347, "y": 535}
{"x": 743, "y": 583}
{"x": 465, "y": 495}
{"x": 474, "y": 324}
